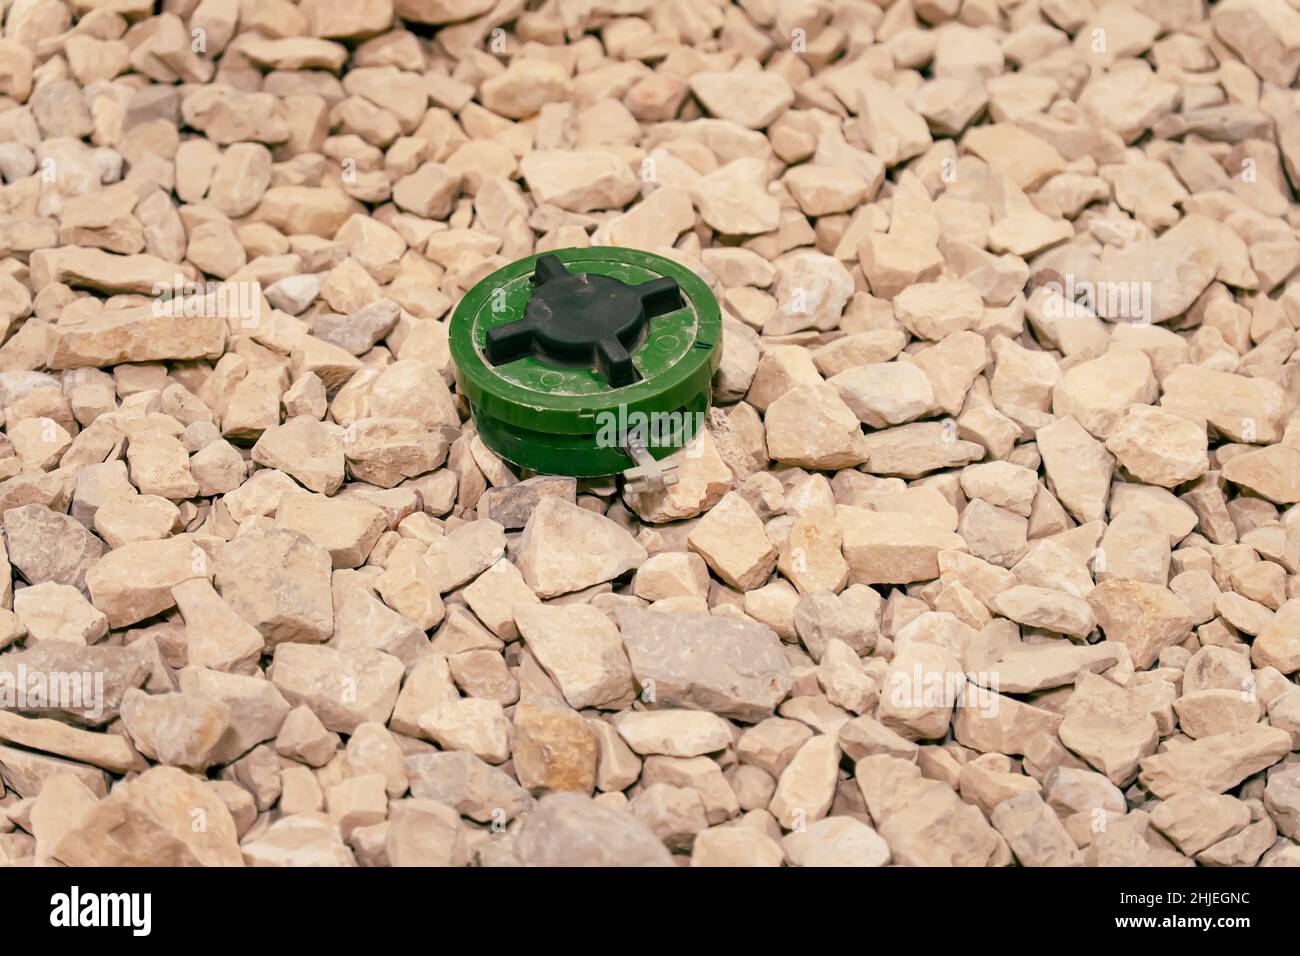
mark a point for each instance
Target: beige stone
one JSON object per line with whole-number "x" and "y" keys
{"x": 892, "y": 548}
{"x": 580, "y": 648}
{"x": 567, "y": 548}
{"x": 1216, "y": 763}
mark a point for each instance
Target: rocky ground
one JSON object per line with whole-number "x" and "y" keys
{"x": 988, "y": 555}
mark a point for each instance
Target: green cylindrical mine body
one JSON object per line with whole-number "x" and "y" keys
{"x": 565, "y": 355}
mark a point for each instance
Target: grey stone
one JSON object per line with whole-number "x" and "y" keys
{"x": 358, "y": 331}
{"x": 473, "y": 788}
{"x": 733, "y": 668}
{"x": 569, "y": 829}
{"x": 46, "y": 545}
{"x": 512, "y": 506}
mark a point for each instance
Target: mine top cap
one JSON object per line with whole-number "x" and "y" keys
{"x": 587, "y": 319}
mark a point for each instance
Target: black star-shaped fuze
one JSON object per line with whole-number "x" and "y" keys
{"x": 583, "y": 318}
